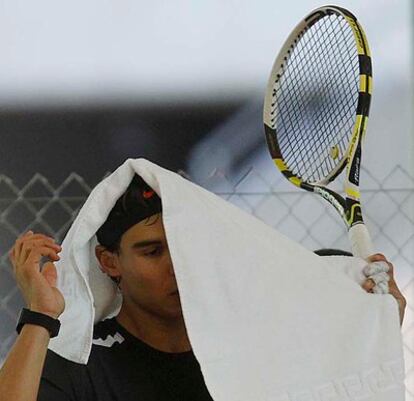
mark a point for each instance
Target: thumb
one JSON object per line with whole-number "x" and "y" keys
{"x": 49, "y": 272}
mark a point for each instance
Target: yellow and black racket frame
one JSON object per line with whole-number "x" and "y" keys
{"x": 349, "y": 206}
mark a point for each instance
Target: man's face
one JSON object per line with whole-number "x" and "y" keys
{"x": 145, "y": 266}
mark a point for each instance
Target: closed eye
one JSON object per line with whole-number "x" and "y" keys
{"x": 154, "y": 252}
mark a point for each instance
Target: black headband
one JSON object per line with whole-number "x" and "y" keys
{"x": 138, "y": 203}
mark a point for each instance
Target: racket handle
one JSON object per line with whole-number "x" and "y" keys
{"x": 360, "y": 239}
{"x": 362, "y": 246}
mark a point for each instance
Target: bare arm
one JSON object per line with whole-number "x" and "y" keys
{"x": 20, "y": 375}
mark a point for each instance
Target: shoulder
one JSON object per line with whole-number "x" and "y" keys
{"x": 57, "y": 372}
{"x": 67, "y": 376}
{"x": 56, "y": 365}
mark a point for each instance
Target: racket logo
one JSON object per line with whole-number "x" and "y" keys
{"x": 356, "y": 172}
{"x": 331, "y": 199}
{"x": 357, "y": 34}
{"x": 354, "y": 168}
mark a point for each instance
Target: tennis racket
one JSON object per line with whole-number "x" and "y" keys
{"x": 315, "y": 116}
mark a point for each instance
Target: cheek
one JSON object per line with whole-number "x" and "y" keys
{"x": 132, "y": 275}
{"x": 143, "y": 276}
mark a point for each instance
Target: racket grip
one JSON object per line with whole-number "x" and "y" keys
{"x": 360, "y": 239}
{"x": 362, "y": 246}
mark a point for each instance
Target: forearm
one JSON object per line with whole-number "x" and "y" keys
{"x": 22, "y": 370}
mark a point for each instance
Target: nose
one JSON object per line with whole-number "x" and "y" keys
{"x": 171, "y": 270}
{"x": 170, "y": 264}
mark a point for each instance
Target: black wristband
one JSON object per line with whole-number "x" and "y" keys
{"x": 39, "y": 319}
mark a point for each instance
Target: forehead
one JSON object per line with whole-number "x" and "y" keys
{"x": 151, "y": 228}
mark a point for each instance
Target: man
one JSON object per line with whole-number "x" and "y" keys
{"x": 141, "y": 354}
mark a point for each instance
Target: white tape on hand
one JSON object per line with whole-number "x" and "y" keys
{"x": 380, "y": 277}
{"x": 375, "y": 268}
{"x": 381, "y": 288}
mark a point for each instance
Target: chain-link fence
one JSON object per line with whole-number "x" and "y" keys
{"x": 388, "y": 204}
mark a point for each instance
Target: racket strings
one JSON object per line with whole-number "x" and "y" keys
{"x": 297, "y": 113}
{"x": 315, "y": 99}
{"x": 321, "y": 118}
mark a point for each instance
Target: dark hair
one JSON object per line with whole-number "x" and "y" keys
{"x": 332, "y": 252}
{"x": 138, "y": 203}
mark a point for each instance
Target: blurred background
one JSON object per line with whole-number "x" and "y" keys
{"x": 85, "y": 85}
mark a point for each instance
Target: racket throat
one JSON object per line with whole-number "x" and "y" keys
{"x": 332, "y": 197}
{"x": 353, "y": 213}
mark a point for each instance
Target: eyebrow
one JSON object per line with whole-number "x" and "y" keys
{"x": 143, "y": 244}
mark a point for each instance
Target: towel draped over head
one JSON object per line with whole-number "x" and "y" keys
{"x": 139, "y": 203}
{"x": 268, "y": 320}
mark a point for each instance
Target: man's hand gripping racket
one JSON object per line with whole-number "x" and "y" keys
{"x": 315, "y": 116}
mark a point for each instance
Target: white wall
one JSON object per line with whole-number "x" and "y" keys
{"x": 94, "y": 52}
{"x": 95, "y": 47}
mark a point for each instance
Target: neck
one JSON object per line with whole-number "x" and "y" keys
{"x": 167, "y": 335}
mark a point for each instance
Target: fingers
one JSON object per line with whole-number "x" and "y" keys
{"x": 368, "y": 285}
{"x": 376, "y": 257}
{"x": 380, "y": 277}
{"x": 30, "y": 247}
{"x": 381, "y": 288}
{"x": 375, "y": 267}
{"x": 49, "y": 273}
{"x": 37, "y": 244}
{"x": 35, "y": 254}
{"x": 37, "y": 283}
{"x": 380, "y": 271}
{"x": 376, "y": 284}
{"x": 17, "y": 246}
{"x": 383, "y": 282}
{"x": 377, "y": 263}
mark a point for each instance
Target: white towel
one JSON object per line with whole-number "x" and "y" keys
{"x": 267, "y": 319}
